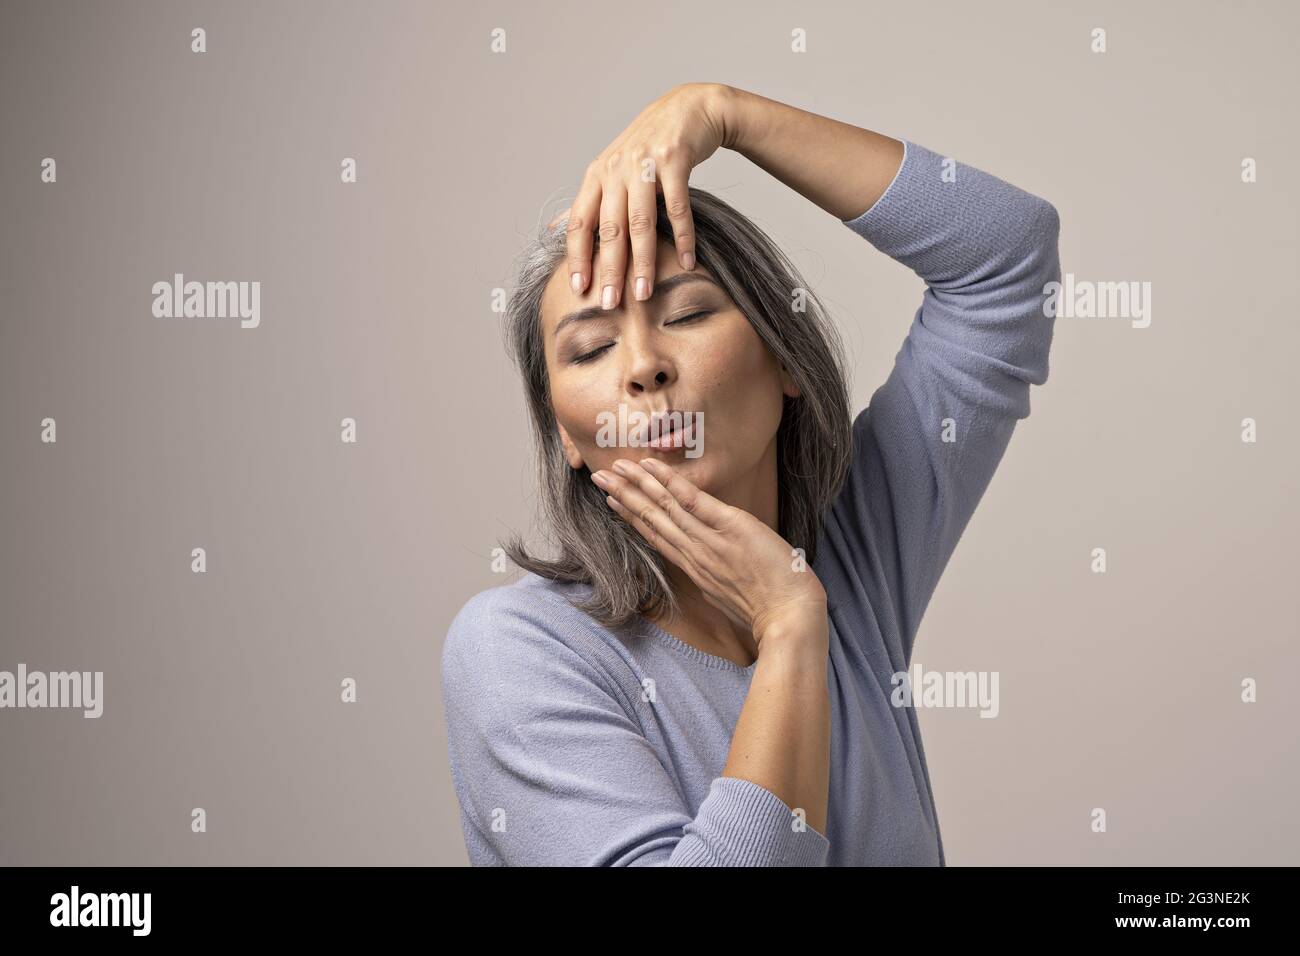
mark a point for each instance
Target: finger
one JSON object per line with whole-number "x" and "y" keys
{"x": 692, "y": 501}
{"x": 648, "y": 533}
{"x": 677, "y": 202}
{"x": 581, "y": 231}
{"x": 613, "y": 245}
{"x": 641, "y": 215}
{"x": 658, "y": 526}
{"x": 649, "y": 484}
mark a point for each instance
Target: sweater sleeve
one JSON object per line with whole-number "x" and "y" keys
{"x": 551, "y": 766}
{"x": 927, "y": 444}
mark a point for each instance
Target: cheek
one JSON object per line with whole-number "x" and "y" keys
{"x": 578, "y": 404}
{"x": 576, "y": 411}
{"x": 744, "y": 377}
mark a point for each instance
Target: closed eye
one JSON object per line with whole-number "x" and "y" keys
{"x": 588, "y": 356}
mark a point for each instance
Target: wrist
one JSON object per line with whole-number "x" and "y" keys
{"x": 800, "y": 630}
{"x": 797, "y": 654}
{"x": 735, "y": 112}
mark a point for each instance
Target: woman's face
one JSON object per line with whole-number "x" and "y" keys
{"x": 688, "y": 348}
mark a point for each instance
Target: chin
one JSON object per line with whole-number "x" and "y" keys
{"x": 702, "y": 475}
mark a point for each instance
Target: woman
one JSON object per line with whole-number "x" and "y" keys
{"x": 703, "y": 674}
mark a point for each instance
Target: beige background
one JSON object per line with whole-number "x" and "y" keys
{"x": 329, "y": 561}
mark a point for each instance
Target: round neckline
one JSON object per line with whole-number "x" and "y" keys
{"x": 694, "y": 653}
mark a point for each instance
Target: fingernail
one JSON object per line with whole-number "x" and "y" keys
{"x": 642, "y": 288}
{"x": 607, "y": 298}
{"x": 688, "y": 260}
{"x": 600, "y": 479}
{"x": 575, "y": 282}
{"x": 620, "y": 466}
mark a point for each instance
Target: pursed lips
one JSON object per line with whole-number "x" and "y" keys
{"x": 667, "y": 422}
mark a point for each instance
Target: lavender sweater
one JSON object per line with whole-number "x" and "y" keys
{"x": 571, "y": 744}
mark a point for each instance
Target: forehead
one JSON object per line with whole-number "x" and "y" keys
{"x": 558, "y": 299}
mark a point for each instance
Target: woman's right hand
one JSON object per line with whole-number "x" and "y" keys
{"x": 654, "y": 154}
{"x": 740, "y": 565}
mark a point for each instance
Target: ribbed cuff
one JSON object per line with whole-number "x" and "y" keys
{"x": 748, "y": 825}
{"x": 912, "y": 195}
{"x": 858, "y": 223}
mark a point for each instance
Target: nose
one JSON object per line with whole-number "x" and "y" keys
{"x": 649, "y": 367}
{"x": 648, "y": 381}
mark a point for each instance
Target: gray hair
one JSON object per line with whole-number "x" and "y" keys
{"x": 598, "y": 548}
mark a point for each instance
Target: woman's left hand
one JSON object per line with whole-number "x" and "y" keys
{"x": 741, "y": 566}
{"x": 654, "y": 154}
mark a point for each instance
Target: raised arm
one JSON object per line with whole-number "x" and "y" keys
{"x": 842, "y": 168}
{"x": 926, "y": 447}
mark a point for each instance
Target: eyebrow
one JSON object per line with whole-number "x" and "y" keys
{"x": 667, "y": 285}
